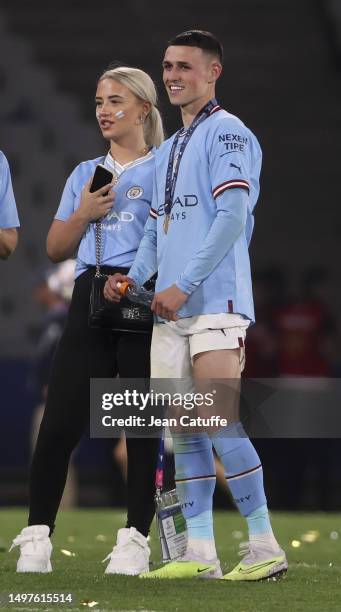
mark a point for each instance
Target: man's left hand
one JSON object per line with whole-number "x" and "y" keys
{"x": 167, "y": 303}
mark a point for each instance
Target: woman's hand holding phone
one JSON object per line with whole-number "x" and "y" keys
{"x": 97, "y": 204}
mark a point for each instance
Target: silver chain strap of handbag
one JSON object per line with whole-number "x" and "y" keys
{"x": 98, "y": 248}
{"x": 98, "y": 240}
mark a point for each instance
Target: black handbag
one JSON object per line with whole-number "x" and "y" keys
{"x": 122, "y": 316}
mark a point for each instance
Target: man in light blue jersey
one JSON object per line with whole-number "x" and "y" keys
{"x": 9, "y": 220}
{"x": 206, "y": 185}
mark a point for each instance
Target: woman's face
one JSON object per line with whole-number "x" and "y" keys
{"x": 118, "y": 110}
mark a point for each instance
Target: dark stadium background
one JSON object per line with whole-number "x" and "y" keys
{"x": 282, "y": 76}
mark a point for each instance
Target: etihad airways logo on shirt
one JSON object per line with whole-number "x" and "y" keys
{"x": 185, "y": 201}
{"x": 113, "y": 221}
{"x": 124, "y": 216}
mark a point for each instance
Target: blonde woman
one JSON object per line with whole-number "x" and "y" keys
{"x": 130, "y": 122}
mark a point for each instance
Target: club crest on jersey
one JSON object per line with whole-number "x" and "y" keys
{"x": 134, "y": 192}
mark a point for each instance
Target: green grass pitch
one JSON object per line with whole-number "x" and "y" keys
{"x": 313, "y": 582}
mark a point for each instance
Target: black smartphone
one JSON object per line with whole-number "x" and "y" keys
{"x": 101, "y": 177}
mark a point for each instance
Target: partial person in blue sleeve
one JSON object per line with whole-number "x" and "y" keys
{"x": 9, "y": 219}
{"x": 131, "y": 124}
{"x": 206, "y": 185}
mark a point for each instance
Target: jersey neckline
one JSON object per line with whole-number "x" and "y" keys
{"x": 119, "y": 168}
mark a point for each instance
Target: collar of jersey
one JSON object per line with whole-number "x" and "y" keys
{"x": 112, "y": 163}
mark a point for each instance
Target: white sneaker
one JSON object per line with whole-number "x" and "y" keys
{"x": 131, "y": 554}
{"x": 35, "y": 549}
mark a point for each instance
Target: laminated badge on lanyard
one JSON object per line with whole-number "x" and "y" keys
{"x": 169, "y": 518}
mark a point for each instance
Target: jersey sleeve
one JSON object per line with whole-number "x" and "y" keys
{"x": 145, "y": 263}
{"x": 67, "y": 203}
{"x": 8, "y": 209}
{"x": 224, "y": 231}
{"x": 230, "y": 157}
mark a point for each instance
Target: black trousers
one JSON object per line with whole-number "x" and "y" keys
{"x": 85, "y": 353}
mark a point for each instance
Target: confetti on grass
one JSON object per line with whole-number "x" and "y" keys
{"x": 311, "y": 536}
{"x": 67, "y": 553}
{"x": 101, "y": 538}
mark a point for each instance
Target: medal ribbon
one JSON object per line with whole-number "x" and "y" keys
{"x": 172, "y": 174}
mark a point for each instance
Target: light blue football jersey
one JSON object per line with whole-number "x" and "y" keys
{"x": 221, "y": 155}
{"x": 8, "y": 209}
{"x": 122, "y": 228}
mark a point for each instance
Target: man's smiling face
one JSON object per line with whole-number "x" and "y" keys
{"x": 188, "y": 74}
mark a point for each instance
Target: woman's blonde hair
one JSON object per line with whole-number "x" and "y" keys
{"x": 142, "y": 86}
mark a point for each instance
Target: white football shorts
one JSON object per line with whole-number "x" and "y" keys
{"x": 174, "y": 344}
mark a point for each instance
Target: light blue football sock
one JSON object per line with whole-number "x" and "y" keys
{"x": 243, "y": 469}
{"x": 195, "y": 482}
{"x": 194, "y": 473}
{"x": 200, "y": 527}
{"x": 258, "y": 521}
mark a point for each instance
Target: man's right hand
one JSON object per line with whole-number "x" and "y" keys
{"x": 111, "y": 290}
{"x": 94, "y": 206}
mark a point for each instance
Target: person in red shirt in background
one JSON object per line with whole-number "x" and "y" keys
{"x": 295, "y": 338}
{"x": 306, "y": 336}
{"x": 292, "y": 337}
{"x": 304, "y": 328}
{"x": 270, "y": 294}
